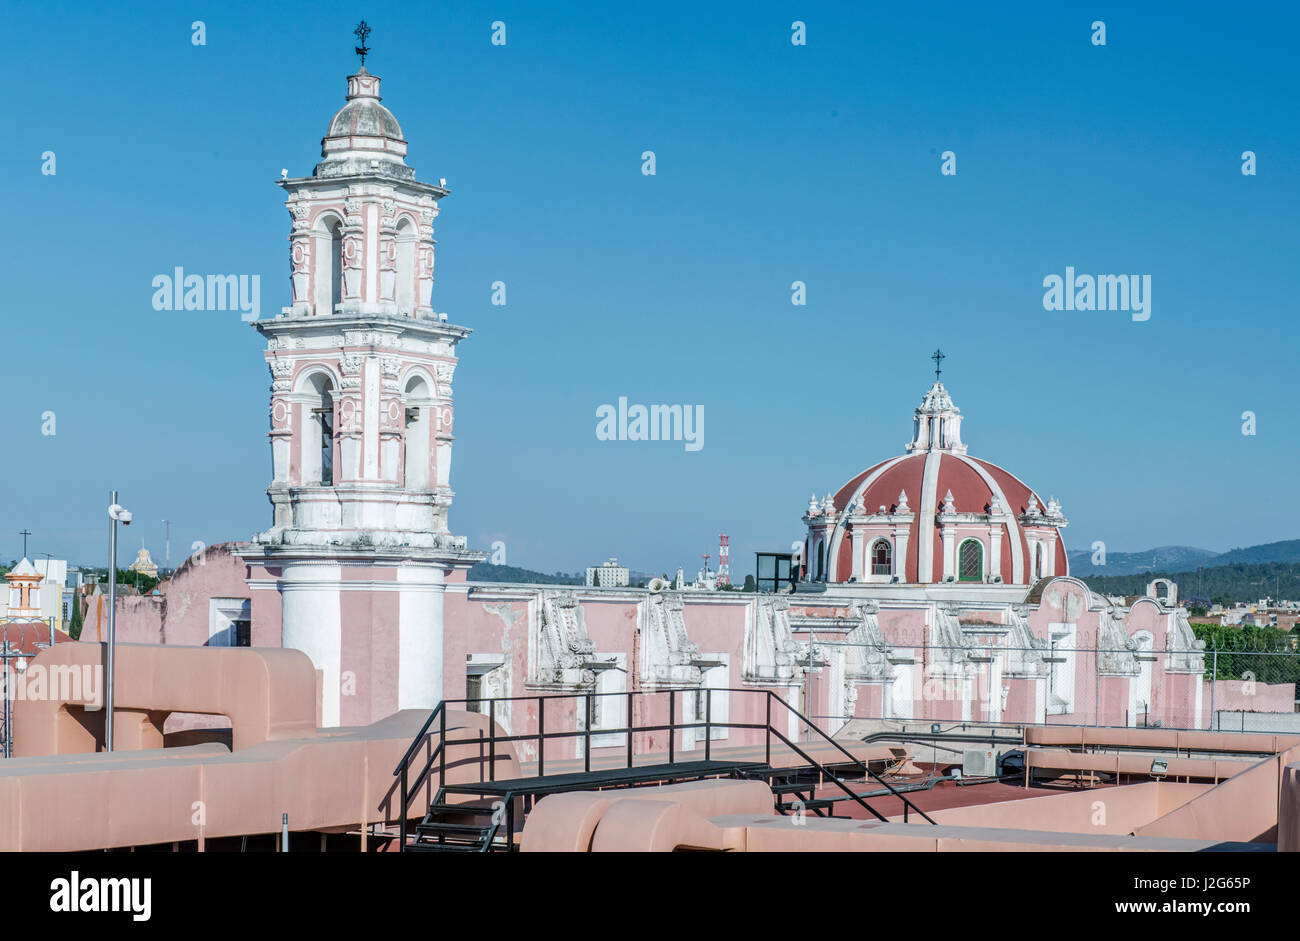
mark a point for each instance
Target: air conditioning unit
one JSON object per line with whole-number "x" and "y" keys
{"x": 979, "y": 763}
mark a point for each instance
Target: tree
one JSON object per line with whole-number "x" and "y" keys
{"x": 74, "y": 627}
{"x": 137, "y": 580}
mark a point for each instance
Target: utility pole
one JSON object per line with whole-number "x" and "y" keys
{"x": 117, "y": 514}
{"x": 25, "y": 533}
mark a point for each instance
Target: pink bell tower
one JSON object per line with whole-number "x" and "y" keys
{"x": 361, "y": 425}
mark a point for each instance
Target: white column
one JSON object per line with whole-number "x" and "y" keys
{"x": 371, "y": 293}
{"x": 859, "y": 564}
{"x": 995, "y": 549}
{"x": 419, "y": 627}
{"x": 311, "y": 621}
{"x": 948, "y": 535}
{"x": 370, "y": 419}
{"x": 900, "y": 553}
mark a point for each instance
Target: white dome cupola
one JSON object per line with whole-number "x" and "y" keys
{"x": 937, "y": 422}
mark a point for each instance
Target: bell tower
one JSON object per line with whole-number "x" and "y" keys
{"x": 361, "y": 366}
{"x": 361, "y": 413}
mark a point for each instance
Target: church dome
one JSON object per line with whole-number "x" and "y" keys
{"x": 365, "y": 117}
{"x": 363, "y": 135}
{"x": 933, "y": 515}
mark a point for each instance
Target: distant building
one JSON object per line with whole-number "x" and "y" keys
{"x": 144, "y": 564}
{"x": 608, "y": 575}
{"x": 36, "y": 592}
{"x": 24, "y": 592}
{"x": 705, "y": 580}
{"x": 54, "y": 579}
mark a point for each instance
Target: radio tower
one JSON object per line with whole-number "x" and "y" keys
{"x": 724, "y": 559}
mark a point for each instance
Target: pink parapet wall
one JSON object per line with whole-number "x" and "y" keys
{"x": 181, "y": 611}
{"x": 1247, "y": 696}
{"x": 1288, "y": 819}
{"x": 266, "y": 694}
{"x": 62, "y": 795}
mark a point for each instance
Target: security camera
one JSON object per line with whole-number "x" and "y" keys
{"x": 120, "y": 513}
{"x": 125, "y": 517}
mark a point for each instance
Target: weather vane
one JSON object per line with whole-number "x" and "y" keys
{"x": 938, "y": 358}
{"x": 361, "y": 32}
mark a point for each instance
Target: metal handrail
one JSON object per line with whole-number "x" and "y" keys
{"x": 438, "y": 710}
{"x": 828, "y": 773}
{"x": 439, "y": 753}
{"x": 906, "y": 803}
{"x": 441, "y": 707}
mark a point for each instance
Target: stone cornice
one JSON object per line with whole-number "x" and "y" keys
{"x": 1047, "y": 522}
{"x": 333, "y": 182}
{"x": 370, "y": 323}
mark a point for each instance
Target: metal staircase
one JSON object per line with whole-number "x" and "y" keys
{"x": 489, "y": 820}
{"x": 458, "y": 828}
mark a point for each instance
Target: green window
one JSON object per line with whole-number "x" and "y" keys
{"x": 970, "y": 561}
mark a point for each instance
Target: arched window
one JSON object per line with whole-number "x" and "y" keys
{"x": 882, "y": 557}
{"x": 318, "y": 433}
{"x": 327, "y": 264}
{"x": 418, "y": 401}
{"x": 405, "y": 291}
{"x": 970, "y": 561}
{"x": 1038, "y": 561}
{"x": 336, "y": 266}
{"x": 821, "y": 560}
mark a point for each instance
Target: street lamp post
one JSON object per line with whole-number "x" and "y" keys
{"x": 118, "y": 514}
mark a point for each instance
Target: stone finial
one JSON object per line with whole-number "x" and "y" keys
{"x": 812, "y": 506}
{"x": 996, "y": 506}
{"x": 1054, "y": 508}
{"x": 828, "y": 505}
{"x": 1032, "y": 508}
{"x": 860, "y": 505}
{"x": 902, "y": 502}
{"x": 948, "y": 505}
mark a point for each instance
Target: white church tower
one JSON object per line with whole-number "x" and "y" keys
{"x": 361, "y": 423}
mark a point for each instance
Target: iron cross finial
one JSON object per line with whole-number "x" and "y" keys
{"x": 361, "y": 32}
{"x": 938, "y": 358}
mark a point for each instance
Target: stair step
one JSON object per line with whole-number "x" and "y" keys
{"x": 465, "y": 809}
{"x": 437, "y": 826}
{"x": 812, "y": 805}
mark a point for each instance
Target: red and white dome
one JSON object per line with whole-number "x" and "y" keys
{"x": 934, "y": 515}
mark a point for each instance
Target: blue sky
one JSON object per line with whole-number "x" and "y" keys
{"x": 775, "y": 163}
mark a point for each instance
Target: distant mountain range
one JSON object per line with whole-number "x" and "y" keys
{"x": 513, "y": 574}
{"x": 1181, "y": 558}
{"x": 483, "y": 572}
{"x": 1226, "y": 584}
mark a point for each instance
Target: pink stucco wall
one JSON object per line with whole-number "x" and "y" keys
{"x": 179, "y": 615}
{"x": 1240, "y": 696}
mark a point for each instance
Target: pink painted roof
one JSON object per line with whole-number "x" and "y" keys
{"x": 971, "y": 494}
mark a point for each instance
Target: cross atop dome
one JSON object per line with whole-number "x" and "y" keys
{"x": 937, "y": 422}
{"x": 361, "y": 32}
